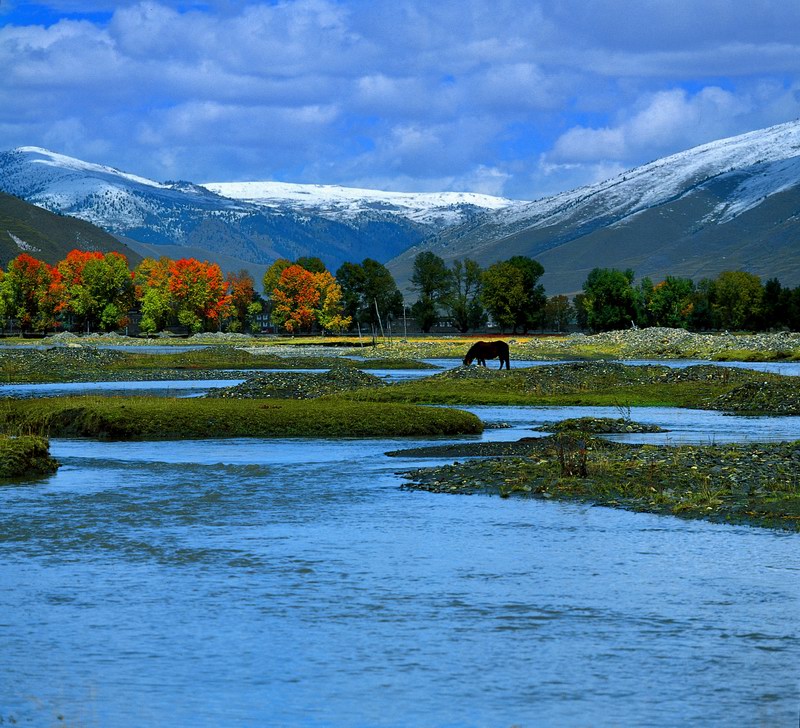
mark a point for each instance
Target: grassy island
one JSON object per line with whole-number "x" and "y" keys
{"x": 154, "y": 418}
{"x": 756, "y": 484}
{"x": 705, "y": 386}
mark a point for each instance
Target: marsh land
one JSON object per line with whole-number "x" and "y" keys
{"x": 748, "y": 482}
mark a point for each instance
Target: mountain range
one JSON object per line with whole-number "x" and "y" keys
{"x": 240, "y": 225}
{"x": 729, "y": 204}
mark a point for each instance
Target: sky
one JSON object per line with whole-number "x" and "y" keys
{"x": 516, "y": 98}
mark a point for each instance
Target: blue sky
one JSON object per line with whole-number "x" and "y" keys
{"x": 509, "y": 97}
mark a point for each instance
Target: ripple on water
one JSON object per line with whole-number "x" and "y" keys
{"x": 297, "y": 580}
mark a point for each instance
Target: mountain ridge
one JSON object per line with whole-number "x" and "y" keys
{"x": 246, "y": 233}
{"x": 677, "y": 206}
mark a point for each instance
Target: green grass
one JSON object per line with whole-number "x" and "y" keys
{"x": 25, "y": 456}
{"x": 119, "y": 418}
{"x": 749, "y": 355}
{"x": 521, "y": 388}
{"x": 757, "y": 484}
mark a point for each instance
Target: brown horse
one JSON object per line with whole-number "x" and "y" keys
{"x": 483, "y": 350}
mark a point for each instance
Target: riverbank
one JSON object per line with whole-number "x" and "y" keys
{"x": 755, "y": 484}
{"x": 649, "y": 343}
{"x": 89, "y": 364}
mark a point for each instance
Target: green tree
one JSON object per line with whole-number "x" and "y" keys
{"x": 504, "y": 293}
{"x": 464, "y": 302}
{"x": 737, "y": 300}
{"x": 558, "y": 312}
{"x": 530, "y": 314}
{"x": 776, "y": 305}
{"x": 581, "y": 311}
{"x": 151, "y": 287}
{"x": 368, "y": 289}
{"x": 609, "y": 299}
{"x": 670, "y": 303}
{"x": 701, "y": 317}
{"x": 433, "y": 283}
{"x": 311, "y": 264}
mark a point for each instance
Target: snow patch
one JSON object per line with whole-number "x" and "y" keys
{"x": 22, "y": 245}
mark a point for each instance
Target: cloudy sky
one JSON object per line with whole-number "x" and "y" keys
{"x": 509, "y": 97}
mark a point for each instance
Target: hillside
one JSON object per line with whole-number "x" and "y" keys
{"x": 733, "y": 203}
{"x": 26, "y": 228}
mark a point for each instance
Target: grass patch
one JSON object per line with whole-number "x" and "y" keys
{"x": 757, "y": 484}
{"x": 584, "y": 383}
{"x": 25, "y": 456}
{"x": 123, "y": 418}
{"x": 756, "y": 356}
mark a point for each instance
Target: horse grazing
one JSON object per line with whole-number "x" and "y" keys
{"x": 483, "y": 350}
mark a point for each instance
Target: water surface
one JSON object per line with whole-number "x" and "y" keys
{"x": 293, "y": 583}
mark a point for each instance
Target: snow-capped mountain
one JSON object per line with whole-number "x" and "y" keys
{"x": 237, "y": 224}
{"x": 438, "y": 209}
{"x": 732, "y": 203}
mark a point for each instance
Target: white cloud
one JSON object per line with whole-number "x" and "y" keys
{"x": 510, "y": 96}
{"x": 665, "y": 121}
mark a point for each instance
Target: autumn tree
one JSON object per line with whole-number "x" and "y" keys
{"x": 200, "y": 294}
{"x": 244, "y": 307}
{"x": 295, "y": 299}
{"x": 737, "y": 300}
{"x": 32, "y": 293}
{"x": 329, "y": 312}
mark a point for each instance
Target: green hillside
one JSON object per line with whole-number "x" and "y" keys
{"x": 26, "y": 228}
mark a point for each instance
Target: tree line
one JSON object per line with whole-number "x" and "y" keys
{"x": 92, "y": 291}
{"x": 97, "y": 291}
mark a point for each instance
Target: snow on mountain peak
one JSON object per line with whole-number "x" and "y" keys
{"x": 336, "y": 201}
{"x": 38, "y": 155}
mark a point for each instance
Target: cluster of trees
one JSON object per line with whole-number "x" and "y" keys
{"x": 304, "y": 293}
{"x": 734, "y": 300}
{"x": 93, "y": 290}
{"x": 508, "y": 291}
{"x": 97, "y": 291}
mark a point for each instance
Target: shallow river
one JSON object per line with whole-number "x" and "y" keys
{"x": 294, "y": 583}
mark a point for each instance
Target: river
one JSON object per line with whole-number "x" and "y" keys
{"x": 295, "y": 583}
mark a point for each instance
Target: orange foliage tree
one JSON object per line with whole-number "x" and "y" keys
{"x": 294, "y": 299}
{"x": 200, "y": 294}
{"x": 302, "y": 298}
{"x": 32, "y": 293}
